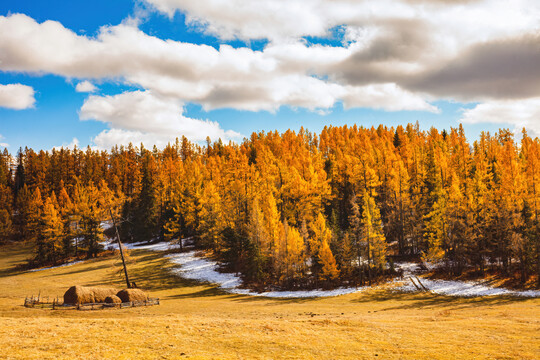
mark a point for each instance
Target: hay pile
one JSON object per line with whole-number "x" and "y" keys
{"x": 87, "y": 295}
{"x": 113, "y": 299}
{"x": 128, "y": 295}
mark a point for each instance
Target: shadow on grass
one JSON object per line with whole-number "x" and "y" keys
{"x": 152, "y": 272}
{"x": 208, "y": 292}
{"x": 15, "y": 256}
{"x": 81, "y": 270}
{"x": 429, "y": 300}
{"x": 276, "y": 300}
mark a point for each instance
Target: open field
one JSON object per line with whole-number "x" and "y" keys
{"x": 199, "y": 321}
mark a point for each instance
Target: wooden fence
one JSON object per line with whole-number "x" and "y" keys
{"x": 56, "y": 304}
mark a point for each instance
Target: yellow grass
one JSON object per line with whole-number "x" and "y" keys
{"x": 198, "y": 321}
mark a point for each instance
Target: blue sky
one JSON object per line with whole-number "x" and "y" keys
{"x": 158, "y": 69}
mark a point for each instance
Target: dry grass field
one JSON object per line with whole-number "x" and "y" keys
{"x": 198, "y": 321}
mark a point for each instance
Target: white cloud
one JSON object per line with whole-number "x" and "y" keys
{"x": 74, "y": 142}
{"x": 517, "y": 113}
{"x": 85, "y": 87}
{"x": 16, "y": 96}
{"x": 107, "y": 139}
{"x": 417, "y": 44}
{"x": 284, "y": 19}
{"x": 141, "y": 116}
{"x": 388, "y": 97}
{"x": 286, "y": 74}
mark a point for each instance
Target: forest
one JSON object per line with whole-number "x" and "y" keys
{"x": 292, "y": 209}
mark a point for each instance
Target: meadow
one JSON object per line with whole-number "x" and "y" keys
{"x": 199, "y": 321}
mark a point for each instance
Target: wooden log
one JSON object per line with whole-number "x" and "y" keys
{"x": 422, "y": 285}
{"x": 416, "y": 286}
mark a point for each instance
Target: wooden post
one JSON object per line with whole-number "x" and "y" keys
{"x": 120, "y": 247}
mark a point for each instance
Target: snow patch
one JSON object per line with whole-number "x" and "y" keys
{"x": 161, "y": 246}
{"x": 455, "y": 288}
{"x": 202, "y": 269}
{"x": 107, "y": 224}
{"x": 58, "y": 266}
{"x": 408, "y": 268}
{"x": 466, "y": 289}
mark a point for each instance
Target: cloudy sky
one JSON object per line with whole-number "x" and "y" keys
{"x": 107, "y": 72}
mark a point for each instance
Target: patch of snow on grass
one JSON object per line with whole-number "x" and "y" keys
{"x": 455, "y": 288}
{"x": 58, "y": 266}
{"x": 161, "y": 246}
{"x": 408, "y": 268}
{"x": 201, "y": 269}
{"x": 107, "y": 224}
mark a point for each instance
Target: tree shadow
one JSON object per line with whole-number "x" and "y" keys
{"x": 276, "y": 300}
{"x": 152, "y": 272}
{"x": 81, "y": 270}
{"x": 209, "y": 292}
{"x": 14, "y": 263}
{"x": 429, "y": 300}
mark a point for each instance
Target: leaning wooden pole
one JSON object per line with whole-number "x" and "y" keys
{"x": 120, "y": 247}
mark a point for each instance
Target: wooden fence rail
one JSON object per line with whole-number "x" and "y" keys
{"x": 57, "y": 305}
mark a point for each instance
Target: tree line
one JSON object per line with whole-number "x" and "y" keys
{"x": 294, "y": 209}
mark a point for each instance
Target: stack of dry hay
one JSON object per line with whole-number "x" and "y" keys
{"x": 90, "y": 295}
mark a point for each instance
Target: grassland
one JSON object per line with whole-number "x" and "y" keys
{"x": 198, "y": 321}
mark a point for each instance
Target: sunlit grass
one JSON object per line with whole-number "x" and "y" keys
{"x": 199, "y": 321}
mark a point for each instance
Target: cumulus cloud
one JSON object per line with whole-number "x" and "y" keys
{"x": 517, "y": 113}
{"x": 278, "y": 19}
{"x": 142, "y": 116}
{"x": 285, "y": 74}
{"x": 387, "y": 97}
{"x": 16, "y": 96}
{"x": 85, "y": 87}
{"x": 107, "y": 139}
{"x": 74, "y": 143}
{"x": 465, "y": 50}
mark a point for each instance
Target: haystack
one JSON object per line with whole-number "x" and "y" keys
{"x": 128, "y": 295}
{"x": 113, "y": 299}
{"x": 87, "y": 295}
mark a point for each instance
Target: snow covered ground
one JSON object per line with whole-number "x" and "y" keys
{"x": 456, "y": 288}
{"x": 465, "y": 289}
{"x": 56, "y": 267}
{"x": 161, "y": 246}
{"x": 202, "y": 269}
